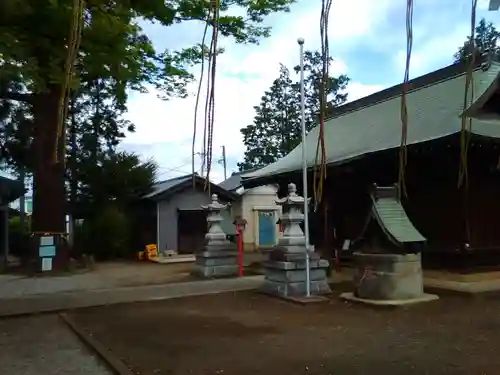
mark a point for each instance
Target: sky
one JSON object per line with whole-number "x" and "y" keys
{"x": 367, "y": 42}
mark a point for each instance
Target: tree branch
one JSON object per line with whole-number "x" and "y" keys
{"x": 17, "y": 96}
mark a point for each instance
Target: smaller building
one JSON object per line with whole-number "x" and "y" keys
{"x": 174, "y": 205}
{"x": 28, "y": 204}
{"x": 258, "y": 207}
{"x": 10, "y": 190}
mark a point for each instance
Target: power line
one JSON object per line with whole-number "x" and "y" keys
{"x": 175, "y": 169}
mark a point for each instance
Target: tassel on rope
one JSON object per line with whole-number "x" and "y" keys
{"x": 403, "y": 152}
{"x": 466, "y": 123}
{"x": 202, "y": 73}
{"x": 320, "y": 176}
{"x": 207, "y": 102}
{"x": 210, "y": 108}
{"x": 74, "y": 40}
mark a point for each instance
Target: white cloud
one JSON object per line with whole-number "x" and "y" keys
{"x": 358, "y": 90}
{"x": 438, "y": 35}
{"x": 164, "y": 129}
{"x": 431, "y": 53}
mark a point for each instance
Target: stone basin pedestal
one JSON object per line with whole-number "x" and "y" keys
{"x": 388, "y": 279}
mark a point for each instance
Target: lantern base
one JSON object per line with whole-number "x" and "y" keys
{"x": 216, "y": 263}
{"x": 209, "y": 272}
{"x": 286, "y": 274}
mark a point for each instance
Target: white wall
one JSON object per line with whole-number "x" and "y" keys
{"x": 253, "y": 200}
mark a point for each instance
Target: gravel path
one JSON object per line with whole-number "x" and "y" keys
{"x": 43, "y": 345}
{"x": 72, "y": 300}
{"x": 246, "y": 333}
{"x": 106, "y": 275}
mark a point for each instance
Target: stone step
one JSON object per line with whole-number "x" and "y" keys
{"x": 296, "y": 276}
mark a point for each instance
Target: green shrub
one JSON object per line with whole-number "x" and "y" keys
{"x": 106, "y": 236}
{"x": 19, "y": 239}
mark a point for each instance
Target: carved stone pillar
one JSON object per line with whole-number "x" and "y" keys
{"x": 218, "y": 258}
{"x": 286, "y": 268}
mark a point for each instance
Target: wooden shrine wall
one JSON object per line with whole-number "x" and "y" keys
{"x": 435, "y": 203}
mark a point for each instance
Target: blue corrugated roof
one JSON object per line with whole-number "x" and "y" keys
{"x": 7, "y": 175}
{"x": 234, "y": 181}
{"x": 10, "y": 189}
{"x": 165, "y": 185}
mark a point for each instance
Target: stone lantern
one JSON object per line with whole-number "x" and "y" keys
{"x": 285, "y": 269}
{"x": 218, "y": 258}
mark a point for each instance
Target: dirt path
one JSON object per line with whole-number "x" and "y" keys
{"x": 247, "y": 333}
{"x": 106, "y": 275}
{"x": 43, "y": 345}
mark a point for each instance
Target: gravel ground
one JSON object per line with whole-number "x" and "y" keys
{"x": 43, "y": 345}
{"x": 106, "y": 275}
{"x": 246, "y": 333}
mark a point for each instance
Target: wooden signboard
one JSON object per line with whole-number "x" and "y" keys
{"x": 46, "y": 252}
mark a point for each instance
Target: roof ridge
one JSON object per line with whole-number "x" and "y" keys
{"x": 239, "y": 173}
{"x": 175, "y": 178}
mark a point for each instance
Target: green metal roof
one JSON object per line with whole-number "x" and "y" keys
{"x": 392, "y": 217}
{"x": 373, "y": 123}
{"x": 390, "y": 214}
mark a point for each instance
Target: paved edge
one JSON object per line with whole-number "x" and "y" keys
{"x": 350, "y": 297}
{"x": 297, "y": 300}
{"x": 58, "y": 302}
{"x": 116, "y": 365}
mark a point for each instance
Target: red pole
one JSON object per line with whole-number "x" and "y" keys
{"x": 240, "y": 251}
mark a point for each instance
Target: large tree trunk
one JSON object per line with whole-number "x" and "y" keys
{"x": 48, "y": 176}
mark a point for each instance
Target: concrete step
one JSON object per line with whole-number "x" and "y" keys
{"x": 54, "y": 302}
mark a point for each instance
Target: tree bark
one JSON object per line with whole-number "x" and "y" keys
{"x": 48, "y": 176}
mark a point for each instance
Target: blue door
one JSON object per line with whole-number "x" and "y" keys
{"x": 267, "y": 228}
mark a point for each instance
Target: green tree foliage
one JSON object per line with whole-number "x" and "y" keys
{"x": 485, "y": 39}
{"x": 19, "y": 235}
{"x": 107, "y": 201}
{"x": 96, "y": 127}
{"x": 276, "y": 128}
{"x": 115, "y": 50}
{"x": 120, "y": 178}
{"x": 276, "y": 125}
{"x": 336, "y": 87}
{"x": 106, "y": 236}
{"x": 16, "y": 127}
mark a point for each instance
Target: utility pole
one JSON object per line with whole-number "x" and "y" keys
{"x": 202, "y": 157}
{"x": 223, "y": 161}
